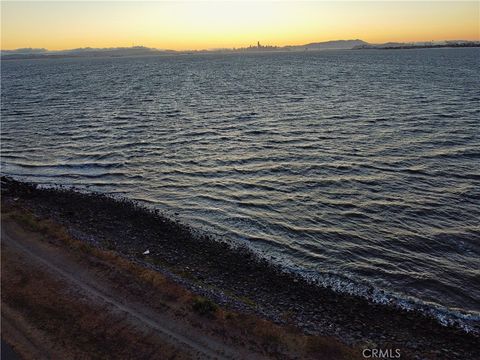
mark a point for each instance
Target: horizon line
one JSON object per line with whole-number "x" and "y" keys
{"x": 236, "y": 48}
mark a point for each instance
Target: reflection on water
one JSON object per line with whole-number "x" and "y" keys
{"x": 356, "y": 167}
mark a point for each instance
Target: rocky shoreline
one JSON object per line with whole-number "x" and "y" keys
{"x": 236, "y": 278}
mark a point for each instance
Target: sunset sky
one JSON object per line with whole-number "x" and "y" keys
{"x": 204, "y": 25}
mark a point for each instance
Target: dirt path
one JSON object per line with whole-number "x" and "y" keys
{"x": 85, "y": 284}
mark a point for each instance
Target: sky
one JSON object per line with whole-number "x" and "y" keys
{"x": 194, "y": 25}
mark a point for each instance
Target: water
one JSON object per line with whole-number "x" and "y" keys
{"x": 360, "y": 169}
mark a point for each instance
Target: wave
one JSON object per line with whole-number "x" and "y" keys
{"x": 331, "y": 174}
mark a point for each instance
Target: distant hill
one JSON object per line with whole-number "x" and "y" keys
{"x": 82, "y": 52}
{"x": 25, "y": 51}
{"x": 32, "y": 53}
{"x": 121, "y": 51}
{"x": 418, "y": 45}
{"x": 333, "y": 44}
{"x": 29, "y": 53}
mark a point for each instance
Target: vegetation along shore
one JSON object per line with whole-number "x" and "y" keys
{"x": 86, "y": 275}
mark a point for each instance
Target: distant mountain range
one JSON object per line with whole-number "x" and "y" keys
{"x": 329, "y": 45}
{"x": 39, "y": 53}
{"x": 424, "y": 44}
{"x": 25, "y": 51}
{"x": 28, "y": 53}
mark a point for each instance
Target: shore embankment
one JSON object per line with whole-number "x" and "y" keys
{"x": 290, "y": 316}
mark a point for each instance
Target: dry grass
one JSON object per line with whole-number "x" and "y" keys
{"x": 58, "y": 233}
{"x": 78, "y": 328}
{"x": 268, "y": 338}
{"x": 278, "y": 340}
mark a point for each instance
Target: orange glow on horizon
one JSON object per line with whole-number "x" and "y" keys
{"x": 207, "y": 25}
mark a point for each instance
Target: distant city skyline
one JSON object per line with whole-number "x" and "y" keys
{"x": 209, "y": 25}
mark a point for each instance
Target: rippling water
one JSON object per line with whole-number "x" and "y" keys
{"x": 358, "y": 168}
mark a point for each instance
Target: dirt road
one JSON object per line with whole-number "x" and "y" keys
{"x": 168, "y": 336}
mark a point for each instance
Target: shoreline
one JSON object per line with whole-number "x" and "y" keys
{"x": 234, "y": 277}
{"x": 463, "y": 320}
{"x": 145, "y": 51}
{"x": 62, "y": 298}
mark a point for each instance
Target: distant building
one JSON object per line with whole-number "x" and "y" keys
{"x": 259, "y": 47}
